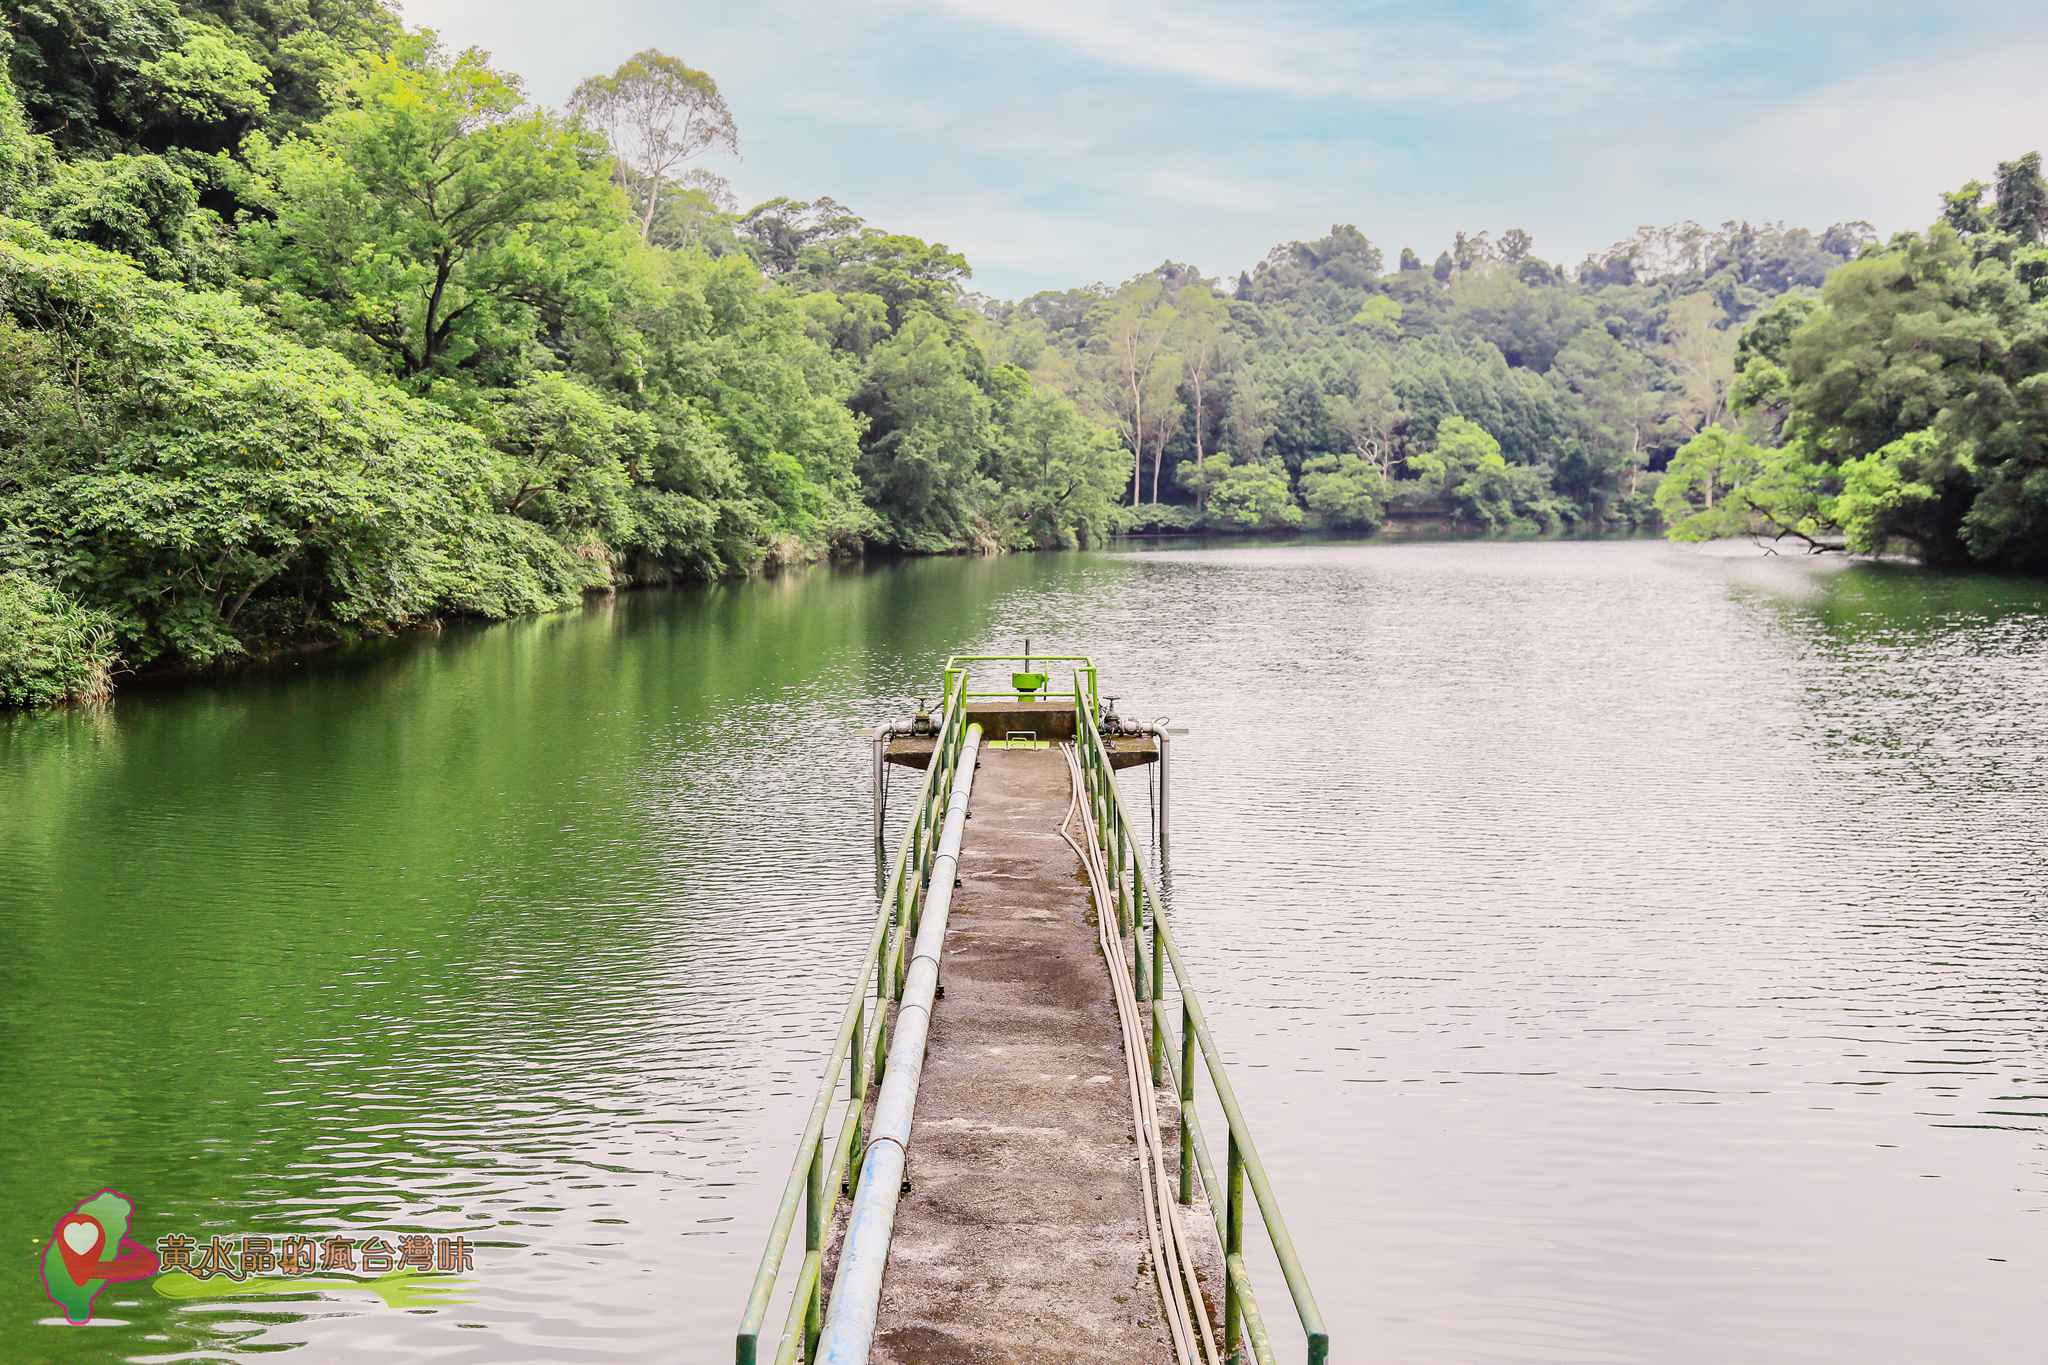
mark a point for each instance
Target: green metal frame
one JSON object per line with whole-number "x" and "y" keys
{"x": 1083, "y": 669}
{"x": 819, "y": 1174}
{"x": 1137, "y": 910}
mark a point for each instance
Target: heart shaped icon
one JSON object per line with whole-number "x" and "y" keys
{"x": 81, "y": 1234}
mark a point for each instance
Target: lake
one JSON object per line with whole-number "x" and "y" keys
{"x": 1625, "y": 952}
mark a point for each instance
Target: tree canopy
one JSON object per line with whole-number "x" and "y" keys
{"x": 314, "y": 328}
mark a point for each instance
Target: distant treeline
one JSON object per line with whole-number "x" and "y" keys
{"x": 313, "y": 328}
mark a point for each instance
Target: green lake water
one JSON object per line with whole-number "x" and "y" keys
{"x": 1626, "y": 953}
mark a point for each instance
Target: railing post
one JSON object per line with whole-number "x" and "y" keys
{"x": 1143, "y": 985}
{"x": 1233, "y": 1246}
{"x": 906, "y": 891}
{"x": 1134, "y": 880}
{"x": 1158, "y": 994}
{"x": 856, "y": 1061}
{"x": 1126, "y": 912}
{"x": 1187, "y": 1100}
{"x": 880, "y": 1059}
{"x": 814, "y": 1241}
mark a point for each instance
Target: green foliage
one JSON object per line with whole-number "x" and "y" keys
{"x": 211, "y": 487}
{"x": 206, "y": 89}
{"x": 566, "y": 450}
{"x": 1693, "y": 497}
{"x": 23, "y": 156}
{"x": 141, "y": 206}
{"x": 575, "y": 365}
{"x": 1252, "y": 497}
{"x": 306, "y": 46}
{"x": 749, "y": 413}
{"x": 1345, "y": 491}
{"x": 929, "y": 429}
{"x": 1529, "y": 325}
{"x": 1156, "y": 518}
{"x": 436, "y": 226}
{"x": 1891, "y": 485}
{"x": 1915, "y": 386}
{"x": 51, "y": 649}
{"x": 1467, "y": 472}
{"x": 1724, "y": 484}
{"x": 74, "y": 64}
{"x": 655, "y": 113}
{"x": 1060, "y": 473}
{"x": 585, "y": 409}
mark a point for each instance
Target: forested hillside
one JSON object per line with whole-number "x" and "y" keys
{"x": 1491, "y": 389}
{"x": 314, "y": 327}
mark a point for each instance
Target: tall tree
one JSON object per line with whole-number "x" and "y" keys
{"x": 1371, "y": 414}
{"x": 1204, "y": 335}
{"x": 1702, "y": 350}
{"x": 1136, "y": 372}
{"x": 2022, "y": 198}
{"x": 655, "y": 113}
{"x": 438, "y": 224}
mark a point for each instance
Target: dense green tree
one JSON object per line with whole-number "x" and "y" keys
{"x": 1529, "y": 325}
{"x": 1346, "y": 491}
{"x": 436, "y": 226}
{"x": 750, "y": 414}
{"x": 1060, "y": 473}
{"x": 140, "y": 206}
{"x": 1933, "y": 336}
{"x": 1136, "y": 378}
{"x": 76, "y": 63}
{"x": 1466, "y": 469}
{"x": 167, "y": 460}
{"x": 51, "y": 648}
{"x": 307, "y": 47}
{"x": 1253, "y": 496}
{"x": 2022, "y": 199}
{"x": 929, "y": 430}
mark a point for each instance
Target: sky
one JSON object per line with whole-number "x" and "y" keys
{"x": 1062, "y": 142}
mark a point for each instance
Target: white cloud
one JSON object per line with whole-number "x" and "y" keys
{"x": 1883, "y": 144}
{"x": 1579, "y": 46}
{"x": 899, "y": 115}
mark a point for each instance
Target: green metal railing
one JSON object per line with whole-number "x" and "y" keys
{"x": 817, "y": 1178}
{"x": 819, "y": 1175}
{"x": 1137, "y": 910}
{"x": 1081, "y": 666}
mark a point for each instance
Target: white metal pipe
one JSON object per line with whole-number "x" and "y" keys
{"x": 857, "y": 1289}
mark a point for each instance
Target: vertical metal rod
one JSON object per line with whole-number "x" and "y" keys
{"x": 814, "y": 1241}
{"x": 1233, "y": 1245}
{"x": 857, "y": 1075}
{"x": 880, "y": 780}
{"x": 1135, "y": 923}
{"x": 1187, "y": 1103}
{"x": 1158, "y": 994}
{"x": 1165, "y": 793}
{"x": 1124, "y": 909}
{"x": 878, "y": 1063}
{"x": 1142, "y": 986}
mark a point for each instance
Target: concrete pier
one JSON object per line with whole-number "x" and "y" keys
{"x": 1022, "y": 1237}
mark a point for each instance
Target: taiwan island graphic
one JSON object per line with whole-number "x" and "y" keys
{"x": 89, "y": 1250}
